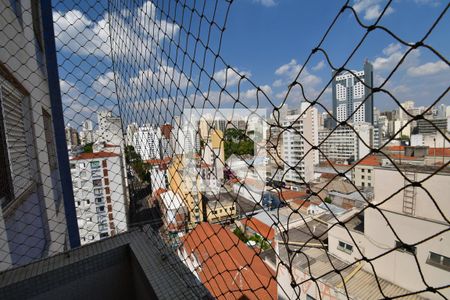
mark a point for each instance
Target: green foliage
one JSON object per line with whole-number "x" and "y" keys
{"x": 237, "y": 142}
{"x": 259, "y": 240}
{"x": 240, "y": 234}
{"x": 135, "y": 161}
{"x": 328, "y": 200}
{"x": 88, "y": 148}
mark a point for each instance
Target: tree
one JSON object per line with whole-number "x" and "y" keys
{"x": 88, "y": 148}
{"x": 237, "y": 142}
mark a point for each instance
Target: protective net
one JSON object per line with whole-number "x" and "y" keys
{"x": 130, "y": 116}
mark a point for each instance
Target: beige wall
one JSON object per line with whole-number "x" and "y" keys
{"x": 388, "y": 181}
{"x": 362, "y": 170}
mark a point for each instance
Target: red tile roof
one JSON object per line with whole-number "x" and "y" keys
{"x": 290, "y": 194}
{"x": 302, "y": 204}
{"x": 93, "y": 155}
{"x": 370, "y": 160}
{"x": 404, "y": 157}
{"x": 394, "y": 148}
{"x": 439, "y": 152}
{"x": 263, "y": 229}
{"x": 228, "y": 267}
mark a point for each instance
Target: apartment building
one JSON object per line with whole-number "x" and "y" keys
{"x": 418, "y": 217}
{"x": 98, "y": 185}
{"x": 32, "y": 211}
{"x": 363, "y": 171}
{"x": 352, "y": 98}
{"x": 109, "y": 128}
{"x": 300, "y": 136}
{"x": 146, "y": 142}
{"x": 346, "y": 143}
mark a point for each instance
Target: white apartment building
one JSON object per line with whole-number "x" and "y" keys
{"x": 419, "y": 221}
{"x": 32, "y": 218}
{"x": 87, "y": 133}
{"x": 147, "y": 142}
{"x": 343, "y": 144}
{"x": 352, "y": 95}
{"x": 98, "y": 185}
{"x": 109, "y": 128}
{"x": 132, "y": 129}
{"x": 299, "y": 137}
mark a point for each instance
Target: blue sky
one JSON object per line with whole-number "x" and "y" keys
{"x": 268, "y": 41}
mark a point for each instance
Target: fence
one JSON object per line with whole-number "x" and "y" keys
{"x": 258, "y": 201}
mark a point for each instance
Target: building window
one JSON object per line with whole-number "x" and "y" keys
{"x": 73, "y": 166}
{"x": 98, "y": 191}
{"x": 107, "y": 190}
{"x": 95, "y": 164}
{"x": 369, "y": 171}
{"x": 104, "y": 164}
{"x": 439, "y": 261}
{"x": 15, "y": 163}
{"x": 108, "y": 199}
{"x": 362, "y": 177}
{"x": 104, "y": 235}
{"x": 82, "y": 165}
{"x": 98, "y": 200}
{"x": 363, "y": 170}
{"x": 100, "y": 209}
{"x": 347, "y": 248}
{"x": 105, "y": 172}
{"x": 106, "y": 181}
{"x": 97, "y": 182}
{"x": 405, "y": 248}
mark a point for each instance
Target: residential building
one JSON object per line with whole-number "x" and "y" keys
{"x": 72, "y": 137}
{"x": 300, "y": 135}
{"x": 425, "y": 126}
{"x": 147, "y": 142}
{"x": 173, "y": 211}
{"x": 100, "y": 200}
{"x": 345, "y": 144}
{"x": 405, "y": 235}
{"x": 109, "y": 128}
{"x": 226, "y": 266}
{"x": 32, "y": 210}
{"x": 352, "y": 95}
{"x": 362, "y": 172}
{"x": 132, "y": 129}
{"x": 87, "y": 135}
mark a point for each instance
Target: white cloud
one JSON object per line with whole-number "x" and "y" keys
{"x": 428, "y": 2}
{"x": 75, "y": 32}
{"x": 319, "y": 66}
{"x": 105, "y": 86}
{"x": 163, "y": 79}
{"x": 289, "y": 73}
{"x": 81, "y": 35}
{"x": 430, "y": 68}
{"x": 266, "y": 3}
{"x": 393, "y": 53}
{"x": 290, "y": 69}
{"x": 371, "y": 8}
{"x": 228, "y": 77}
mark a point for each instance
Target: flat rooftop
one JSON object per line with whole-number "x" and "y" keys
{"x": 323, "y": 267}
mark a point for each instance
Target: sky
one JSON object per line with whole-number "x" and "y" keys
{"x": 267, "y": 41}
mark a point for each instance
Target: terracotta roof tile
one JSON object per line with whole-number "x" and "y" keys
{"x": 101, "y": 154}
{"x": 263, "y": 229}
{"x": 228, "y": 267}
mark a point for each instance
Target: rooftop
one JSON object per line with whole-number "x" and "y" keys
{"x": 333, "y": 272}
{"x": 228, "y": 267}
{"x": 94, "y": 155}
